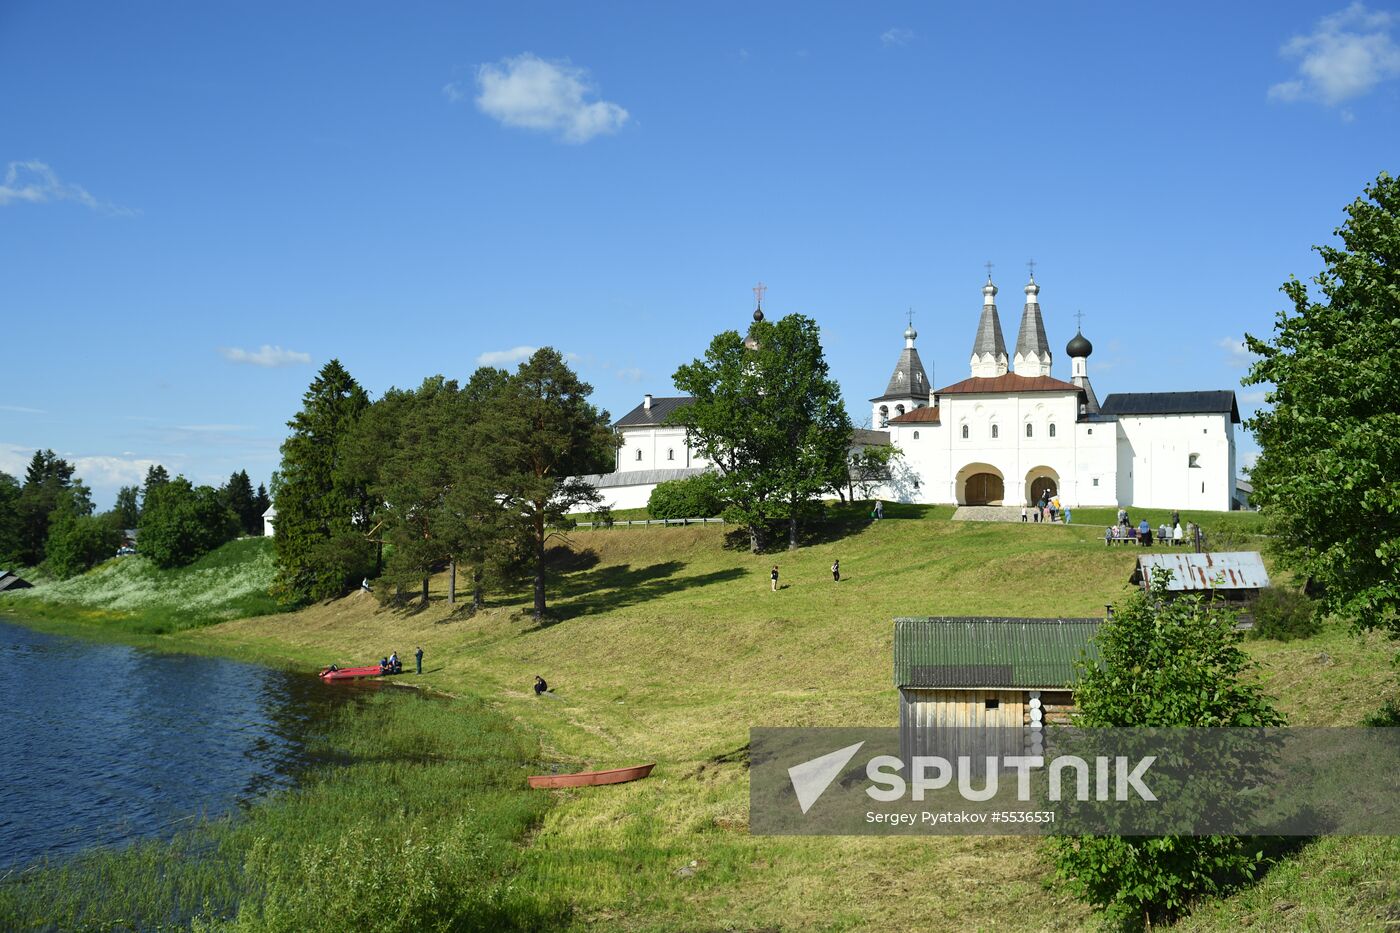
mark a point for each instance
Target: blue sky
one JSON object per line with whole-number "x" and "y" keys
{"x": 202, "y": 203}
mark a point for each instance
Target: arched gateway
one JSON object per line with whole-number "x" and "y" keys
{"x": 1041, "y": 481}
{"x": 980, "y": 484}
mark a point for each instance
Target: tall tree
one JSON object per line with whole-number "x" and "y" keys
{"x": 237, "y": 494}
{"x": 128, "y": 510}
{"x": 261, "y": 503}
{"x": 79, "y": 540}
{"x": 769, "y": 416}
{"x": 322, "y": 507}
{"x": 181, "y": 522}
{"x": 156, "y": 475}
{"x": 1328, "y": 473}
{"x": 46, "y": 481}
{"x": 544, "y": 434}
{"x": 9, "y": 520}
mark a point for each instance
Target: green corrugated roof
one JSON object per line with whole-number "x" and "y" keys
{"x": 978, "y": 652}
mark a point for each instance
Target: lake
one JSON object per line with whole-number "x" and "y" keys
{"x": 105, "y": 743}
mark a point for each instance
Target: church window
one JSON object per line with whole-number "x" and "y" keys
{"x": 899, "y": 410}
{"x": 995, "y": 432}
{"x": 964, "y": 432}
{"x": 1090, "y": 431}
{"x": 884, "y": 414}
{"x": 1194, "y": 461}
{"x": 670, "y": 455}
{"x": 1030, "y": 431}
{"x": 639, "y": 455}
{"x": 1096, "y": 480}
{"x": 1052, "y": 430}
{"x": 916, "y": 435}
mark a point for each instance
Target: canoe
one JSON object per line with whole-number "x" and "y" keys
{"x": 350, "y": 673}
{"x": 591, "y": 778}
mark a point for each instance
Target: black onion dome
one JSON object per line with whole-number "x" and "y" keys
{"x": 1079, "y": 346}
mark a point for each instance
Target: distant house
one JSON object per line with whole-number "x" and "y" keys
{"x": 1237, "y": 576}
{"x": 1002, "y": 678}
{"x": 1243, "y": 491}
{"x": 268, "y": 518}
{"x": 12, "y": 581}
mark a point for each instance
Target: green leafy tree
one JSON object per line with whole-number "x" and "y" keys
{"x": 769, "y": 416}
{"x": 1163, "y": 663}
{"x": 323, "y": 505}
{"x": 181, "y": 522}
{"x": 128, "y": 510}
{"x": 9, "y": 520}
{"x": 156, "y": 476}
{"x": 872, "y": 467}
{"x": 692, "y": 497}
{"x": 238, "y": 495}
{"x": 47, "y": 481}
{"x": 79, "y": 541}
{"x": 1328, "y": 473}
{"x": 544, "y": 434}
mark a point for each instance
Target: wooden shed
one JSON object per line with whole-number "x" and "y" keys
{"x": 985, "y": 685}
{"x": 12, "y": 581}
{"x": 1237, "y": 576}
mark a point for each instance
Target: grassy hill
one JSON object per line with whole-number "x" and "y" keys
{"x": 134, "y": 596}
{"x": 668, "y": 646}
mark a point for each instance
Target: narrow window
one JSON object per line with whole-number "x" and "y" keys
{"x": 993, "y": 704}
{"x": 884, "y": 415}
{"x": 1096, "y": 480}
{"x": 898, "y": 410}
{"x": 995, "y": 433}
{"x": 1090, "y": 431}
{"x": 670, "y": 455}
{"x": 916, "y": 435}
{"x": 639, "y": 454}
{"x": 964, "y": 432}
{"x": 1193, "y": 461}
{"x": 1029, "y": 430}
{"x": 1052, "y": 430}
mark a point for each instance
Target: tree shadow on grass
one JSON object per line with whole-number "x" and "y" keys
{"x": 609, "y": 588}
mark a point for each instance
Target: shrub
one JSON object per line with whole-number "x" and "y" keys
{"x": 1284, "y": 614}
{"x": 695, "y": 497}
{"x": 181, "y": 522}
{"x": 79, "y": 542}
{"x": 1388, "y": 715}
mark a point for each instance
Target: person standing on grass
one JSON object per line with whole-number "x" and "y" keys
{"x": 773, "y": 577}
{"x": 1023, "y": 515}
{"x": 836, "y": 571}
{"x": 879, "y": 509}
{"x": 418, "y": 656}
{"x": 1067, "y": 511}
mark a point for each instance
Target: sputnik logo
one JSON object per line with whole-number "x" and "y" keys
{"x": 811, "y": 778}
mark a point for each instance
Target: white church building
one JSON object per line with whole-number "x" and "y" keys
{"x": 1005, "y": 435}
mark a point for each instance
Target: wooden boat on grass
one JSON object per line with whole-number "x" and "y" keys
{"x": 350, "y": 673}
{"x": 591, "y": 778}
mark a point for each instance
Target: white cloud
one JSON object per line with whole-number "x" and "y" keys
{"x": 630, "y": 374}
{"x": 267, "y": 356}
{"x": 33, "y": 182}
{"x": 528, "y": 92}
{"x": 1237, "y": 353}
{"x": 505, "y": 357}
{"x": 896, "y": 35}
{"x": 1253, "y": 396}
{"x": 1248, "y": 459}
{"x": 23, "y": 410}
{"x": 1346, "y": 55}
{"x": 105, "y": 472}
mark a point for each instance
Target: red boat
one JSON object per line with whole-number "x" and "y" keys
{"x": 591, "y": 778}
{"x": 350, "y": 673}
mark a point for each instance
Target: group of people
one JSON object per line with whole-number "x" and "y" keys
{"x": 392, "y": 664}
{"x": 1142, "y": 533}
{"x": 1047, "y": 508}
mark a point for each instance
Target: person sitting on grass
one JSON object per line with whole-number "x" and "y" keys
{"x": 540, "y": 686}
{"x": 383, "y": 665}
{"x": 394, "y": 662}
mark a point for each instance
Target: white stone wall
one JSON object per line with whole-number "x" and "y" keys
{"x": 656, "y": 448}
{"x": 628, "y": 497}
{"x": 1155, "y": 455}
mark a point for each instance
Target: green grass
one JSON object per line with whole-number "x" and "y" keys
{"x": 132, "y": 595}
{"x": 666, "y": 645}
{"x": 418, "y": 829}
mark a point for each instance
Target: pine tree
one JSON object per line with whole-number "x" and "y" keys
{"x": 46, "y": 480}
{"x": 544, "y": 434}
{"x": 261, "y": 503}
{"x": 237, "y": 494}
{"x": 9, "y": 520}
{"x": 156, "y": 475}
{"x": 322, "y": 507}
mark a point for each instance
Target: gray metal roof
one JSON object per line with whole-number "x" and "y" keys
{"x": 1218, "y": 401}
{"x": 908, "y": 379}
{"x": 643, "y": 417}
{"x": 1223, "y": 570}
{"x": 972, "y": 653}
{"x": 867, "y": 438}
{"x": 639, "y": 477}
{"x": 1031, "y": 338}
{"x": 989, "y": 339}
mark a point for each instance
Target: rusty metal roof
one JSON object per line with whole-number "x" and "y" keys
{"x": 1224, "y": 570}
{"x": 980, "y": 652}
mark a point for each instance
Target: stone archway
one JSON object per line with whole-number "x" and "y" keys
{"x": 980, "y": 484}
{"x": 1041, "y": 480}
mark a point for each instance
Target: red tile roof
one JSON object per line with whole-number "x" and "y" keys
{"x": 1010, "y": 382}
{"x": 923, "y": 415}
